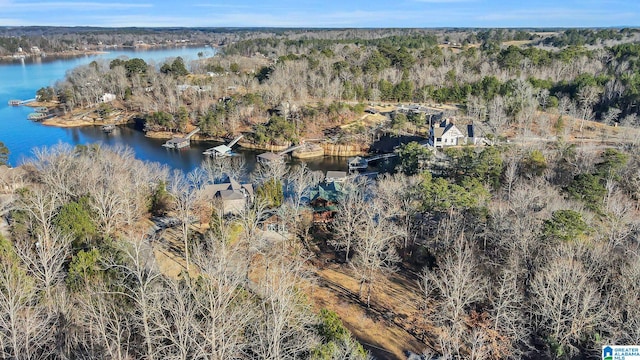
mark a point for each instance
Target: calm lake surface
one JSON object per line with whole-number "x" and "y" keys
{"x": 21, "y": 80}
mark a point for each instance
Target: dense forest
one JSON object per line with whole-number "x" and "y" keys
{"x": 312, "y": 81}
{"x": 521, "y": 250}
{"x": 507, "y": 252}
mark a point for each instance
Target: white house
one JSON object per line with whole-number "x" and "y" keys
{"x": 446, "y": 133}
{"x": 107, "y": 97}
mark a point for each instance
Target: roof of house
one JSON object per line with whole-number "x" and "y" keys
{"x": 231, "y": 195}
{"x": 333, "y": 175}
{"x": 229, "y": 190}
{"x": 440, "y": 131}
{"x": 330, "y": 192}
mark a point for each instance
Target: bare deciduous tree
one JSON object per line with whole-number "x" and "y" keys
{"x": 351, "y": 212}
{"x": 284, "y": 329}
{"x": 24, "y": 323}
{"x": 185, "y": 197}
{"x": 454, "y": 287}
{"x": 224, "y": 310}
{"x": 45, "y": 260}
{"x": 566, "y": 302}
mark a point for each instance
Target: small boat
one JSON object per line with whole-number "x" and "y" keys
{"x": 108, "y": 128}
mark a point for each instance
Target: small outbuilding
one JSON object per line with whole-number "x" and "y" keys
{"x": 335, "y": 176}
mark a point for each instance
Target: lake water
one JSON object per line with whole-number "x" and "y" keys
{"x": 21, "y": 80}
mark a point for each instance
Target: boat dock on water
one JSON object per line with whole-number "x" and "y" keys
{"x": 271, "y": 157}
{"x": 180, "y": 142}
{"x": 222, "y": 150}
{"x": 38, "y": 116}
{"x": 360, "y": 163}
{"x": 15, "y": 102}
{"x": 108, "y": 128}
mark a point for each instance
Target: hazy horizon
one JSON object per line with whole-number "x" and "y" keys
{"x": 322, "y": 14}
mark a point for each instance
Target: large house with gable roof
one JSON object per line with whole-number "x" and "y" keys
{"x": 446, "y": 133}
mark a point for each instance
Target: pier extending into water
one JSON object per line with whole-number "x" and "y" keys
{"x": 269, "y": 157}
{"x": 361, "y": 163}
{"x": 15, "y": 102}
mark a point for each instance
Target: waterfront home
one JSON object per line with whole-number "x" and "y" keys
{"x": 324, "y": 201}
{"x": 446, "y": 133}
{"x": 231, "y": 196}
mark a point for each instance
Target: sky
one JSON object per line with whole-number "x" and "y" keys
{"x": 321, "y": 13}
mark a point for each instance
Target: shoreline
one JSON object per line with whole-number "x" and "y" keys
{"x": 53, "y": 56}
{"x": 8, "y": 59}
{"x": 318, "y": 150}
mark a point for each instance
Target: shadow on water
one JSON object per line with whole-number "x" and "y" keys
{"x": 389, "y": 142}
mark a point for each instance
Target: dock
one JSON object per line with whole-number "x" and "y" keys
{"x": 222, "y": 150}
{"x": 180, "y": 142}
{"x": 108, "y": 128}
{"x": 38, "y": 116}
{"x": 15, "y": 102}
{"x": 269, "y": 157}
{"x": 361, "y": 163}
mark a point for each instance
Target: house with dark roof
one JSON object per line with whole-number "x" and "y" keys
{"x": 232, "y": 195}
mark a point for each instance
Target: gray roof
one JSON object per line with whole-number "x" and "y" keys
{"x": 176, "y": 140}
{"x": 331, "y": 174}
{"x": 222, "y": 149}
{"x": 225, "y": 190}
{"x": 231, "y": 195}
{"x": 269, "y": 156}
{"x": 234, "y": 185}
